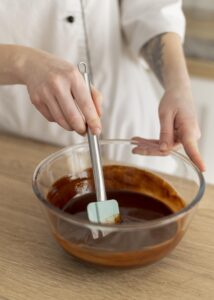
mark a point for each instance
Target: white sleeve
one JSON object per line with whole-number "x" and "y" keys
{"x": 142, "y": 20}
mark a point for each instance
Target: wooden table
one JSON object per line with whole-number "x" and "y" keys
{"x": 34, "y": 267}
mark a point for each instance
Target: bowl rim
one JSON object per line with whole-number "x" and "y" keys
{"x": 149, "y": 224}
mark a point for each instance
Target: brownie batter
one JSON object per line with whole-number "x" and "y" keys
{"x": 142, "y": 197}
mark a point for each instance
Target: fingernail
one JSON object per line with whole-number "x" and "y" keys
{"x": 97, "y": 131}
{"x": 164, "y": 147}
{"x": 134, "y": 142}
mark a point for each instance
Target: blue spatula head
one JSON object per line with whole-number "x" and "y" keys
{"x": 104, "y": 212}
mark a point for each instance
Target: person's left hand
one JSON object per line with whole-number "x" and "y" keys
{"x": 178, "y": 124}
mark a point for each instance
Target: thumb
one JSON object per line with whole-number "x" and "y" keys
{"x": 166, "y": 131}
{"x": 97, "y": 99}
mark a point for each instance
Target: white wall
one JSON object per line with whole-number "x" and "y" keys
{"x": 199, "y": 4}
{"x": 203, "y": 92}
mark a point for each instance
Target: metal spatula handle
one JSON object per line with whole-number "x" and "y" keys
{"x": 94, "y": 148}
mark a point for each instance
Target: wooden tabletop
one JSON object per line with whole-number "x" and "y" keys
{"x": 34, "y": 267}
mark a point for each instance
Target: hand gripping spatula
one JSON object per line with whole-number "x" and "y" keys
{"x": 102, "y": 211}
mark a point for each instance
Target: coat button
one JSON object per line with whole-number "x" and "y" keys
{"x": 70, "y": 19}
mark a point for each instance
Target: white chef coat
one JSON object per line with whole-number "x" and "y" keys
{"x": 117, "y": 30}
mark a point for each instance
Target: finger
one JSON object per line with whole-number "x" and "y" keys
{"x": 166, "y": 131}
{"x": 71, "y": 112}
{"x": 38, "y": 102}
{"x": 46, "y": 113}
{"x": 142, "y": 141}
{"x": 85, "y": 103}
{"x": 155, "y": 151}
{"x": 191, "y": 149}
{"x": 176, "y": 146}
{"x": 97, "y": 98}
{"x": 189, "y": 133}
{"x": 56, "y": 112}
{"x": 67, "y": 106}
{"x": 151, "y": 146}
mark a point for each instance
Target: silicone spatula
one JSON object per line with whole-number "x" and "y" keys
{"x": 102, "y": 211}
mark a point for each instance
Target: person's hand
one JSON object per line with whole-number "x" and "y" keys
{"x": 57, "y": 89}
{"x": 178, "y": 124}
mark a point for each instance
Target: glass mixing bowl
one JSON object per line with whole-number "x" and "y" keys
{"x": 123, "y": 245}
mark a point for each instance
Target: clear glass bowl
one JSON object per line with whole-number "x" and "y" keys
{"x": 123, "y": 245}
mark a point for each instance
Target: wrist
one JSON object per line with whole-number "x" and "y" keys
{"x": 180, "y": 93}
{"x": 177, "y": 81}
{"x": 178, "y": 86}
{"x": 23, "y": 63}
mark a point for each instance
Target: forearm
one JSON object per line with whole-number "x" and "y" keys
{"x": 12, "y": 59}
{"x": 165, "y": 56}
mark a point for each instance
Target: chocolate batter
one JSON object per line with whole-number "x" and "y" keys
{"x": 142, "y": 196}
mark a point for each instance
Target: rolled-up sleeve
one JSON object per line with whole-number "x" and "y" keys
{"x": 141, "y": 20}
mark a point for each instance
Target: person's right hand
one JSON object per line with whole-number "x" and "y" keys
{"x": 57, "y": 89}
